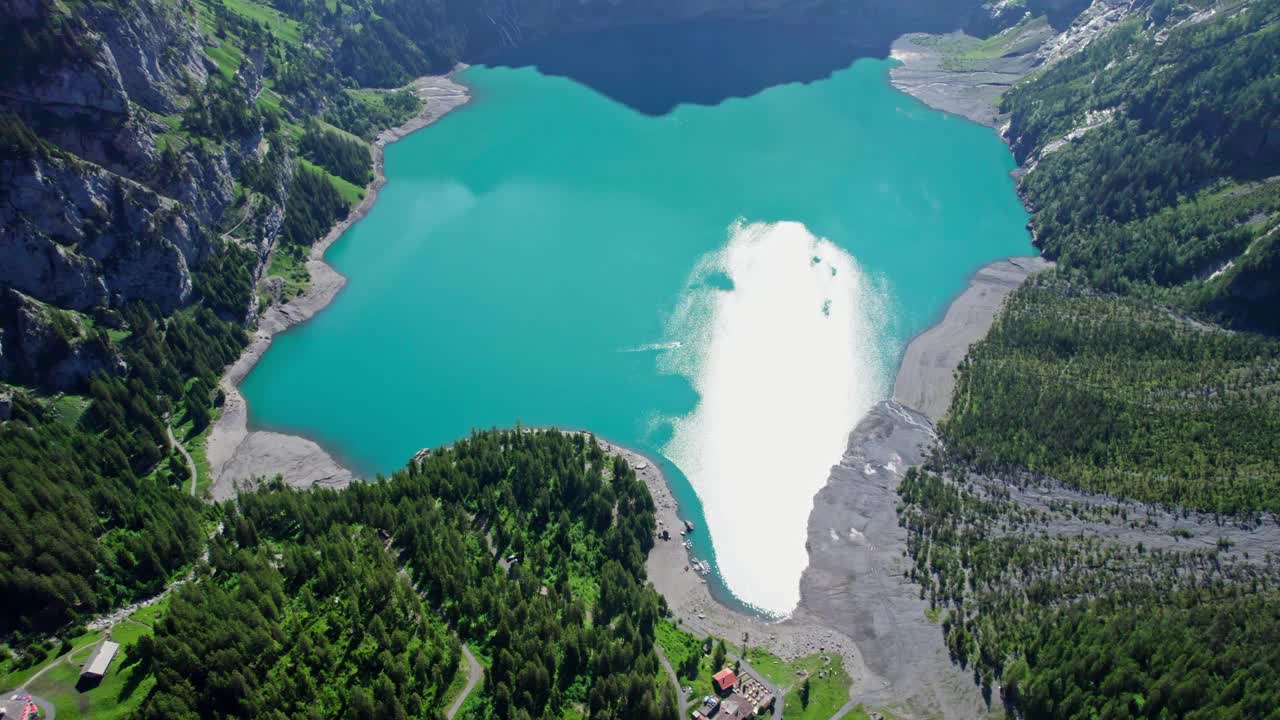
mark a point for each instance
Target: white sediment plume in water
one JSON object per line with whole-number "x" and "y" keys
{"x": 785, "y": 364}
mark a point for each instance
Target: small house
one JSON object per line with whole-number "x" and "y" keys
{"x": 724, "y": 680}
{"x": 97, "y": 665}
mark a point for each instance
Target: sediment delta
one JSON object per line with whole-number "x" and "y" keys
{"x": 803, "y": 314}
{"x": 854, "y": 598}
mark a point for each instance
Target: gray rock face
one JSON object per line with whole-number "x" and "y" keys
{"x": 70, "y": 86}
{"x": 204, "y": 185}
{"x": 100, "y": 220}
{"x": 35, "y": 264}
{"x": 78, "y": 236}
{"x": 85, "y": 96}
{"x": 36, "y": 348}
{"x": 157, "y": 51}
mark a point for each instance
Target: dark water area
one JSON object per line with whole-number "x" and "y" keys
{"x": 654, "y": 68}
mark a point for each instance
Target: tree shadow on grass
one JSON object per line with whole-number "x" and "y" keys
{"x": 137, "y": 673}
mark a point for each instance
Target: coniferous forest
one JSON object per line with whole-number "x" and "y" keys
{"x": 529, "y": 546}
{"x": 1124, "y": 408}
{"x": 92, "y": 526}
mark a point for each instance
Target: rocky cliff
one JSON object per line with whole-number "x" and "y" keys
{"x": 42, "y": 345}
{"x": 79, "y": 236}
{"x": 94, "y": 211}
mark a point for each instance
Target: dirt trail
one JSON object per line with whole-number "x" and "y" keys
{"x": 475, "y": 671}
{"x": 191, "y": 464}
{"x": 675, "y": 681}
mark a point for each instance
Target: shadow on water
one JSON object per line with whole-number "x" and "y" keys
{"x": 654, "y": 68}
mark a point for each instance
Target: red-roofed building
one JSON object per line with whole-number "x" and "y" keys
{"x": 724, "y": 680}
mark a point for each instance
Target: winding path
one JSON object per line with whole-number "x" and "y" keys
{"x": 47, "y": 709}
{"x": 191, "y": 464}
{"x": 845, "y": 709}
{"x": 681, "y": 700}
{"x": 475, "y": 671}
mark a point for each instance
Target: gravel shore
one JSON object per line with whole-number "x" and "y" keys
{"x": 855, "y": 580}
{"x": 969, "y": 87}
{"x": 237, "y": 457}
{"x": 698, "y": 612}
{"x": 926, "y": 374}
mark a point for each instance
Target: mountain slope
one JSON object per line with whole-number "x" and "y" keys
{"x": 1062, "y": 529}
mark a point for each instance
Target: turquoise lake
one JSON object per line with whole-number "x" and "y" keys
{"x": 530, "y": 250}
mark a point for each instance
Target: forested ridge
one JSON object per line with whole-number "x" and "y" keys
{"x": 530, "y": 546}
{"x": 1070, "y": 624}
{"x": 1160, "y": 193}
{"x": 1124, "y": 408}
{"x": 1119, "y": 396}
{"x": 89, "y": 525}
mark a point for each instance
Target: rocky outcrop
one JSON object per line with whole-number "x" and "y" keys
{"x": 63, "y": 78}
{"x": 36, "y": 264}
{"x": 78, "y": 236}
{"x": 1095, "y": 20}
{"x": 86, "y": 81}
{"x": 157, "y": 51}
{"x": 44, "y": 346}
{"x": 203, "y": 183}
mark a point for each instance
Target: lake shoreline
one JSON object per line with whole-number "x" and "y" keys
{"x": 237, "y": 456}
{"x": 854, "y": 602}
{"x": 926, "y": 73}
{"x": 691, "y": 601}
{"x": 830, "y": 619}
{"x": 925, "y": 378}
{"x": 855, "y": 544}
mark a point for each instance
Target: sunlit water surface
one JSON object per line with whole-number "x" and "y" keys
{"x": 726, "y": 288}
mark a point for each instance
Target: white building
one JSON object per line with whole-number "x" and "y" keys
{"x": 97, "y": 665}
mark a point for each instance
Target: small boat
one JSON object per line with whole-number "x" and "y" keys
{"x": 688, "y": 526}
